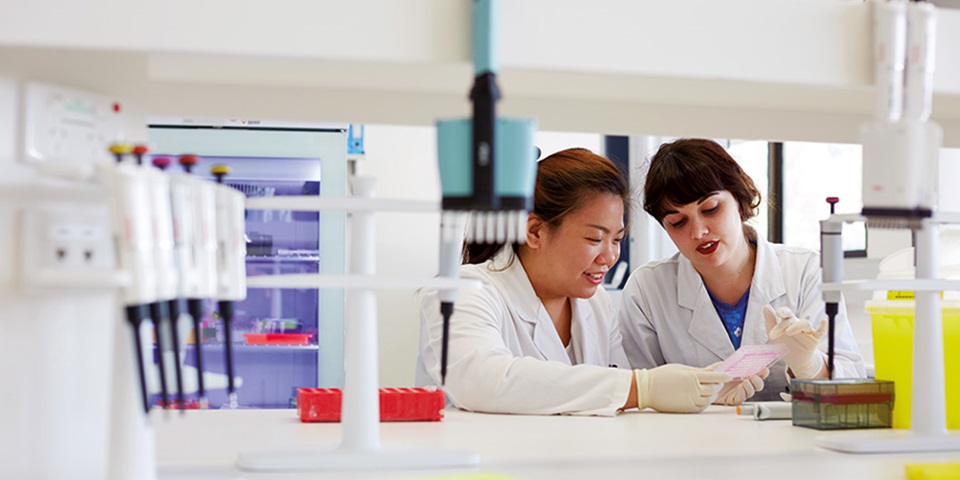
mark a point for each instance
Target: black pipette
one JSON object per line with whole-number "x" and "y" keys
{"x": 226, "y": 313}
{"x": 174, "y": 309}
{"x": 135, "y": 319}
{"x": 195, "y": 307}
{"x": 158, "y": 315}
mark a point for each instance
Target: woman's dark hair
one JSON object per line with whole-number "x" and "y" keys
{"x": 565, "y": 180}
{"x": 688, "y": 169}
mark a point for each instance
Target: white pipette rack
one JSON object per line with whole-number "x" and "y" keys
{"x": 902, "y": 148}
{"x": 360, "y": 447}
{"x": 928, "y": 431}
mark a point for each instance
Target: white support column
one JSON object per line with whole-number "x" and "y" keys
{"x": 928, "y": 415}
{"x": 361, "y": 401}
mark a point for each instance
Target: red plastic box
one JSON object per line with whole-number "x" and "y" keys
{"x": 396, "y": 404}
{"x": 277, "y": 338}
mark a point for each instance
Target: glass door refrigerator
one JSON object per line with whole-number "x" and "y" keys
{"x": 283, "y": 339}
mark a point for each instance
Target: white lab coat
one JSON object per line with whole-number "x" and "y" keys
{"x": 666, "y": 315}
{"x": 505, "y": 354}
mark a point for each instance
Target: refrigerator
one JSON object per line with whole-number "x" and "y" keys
{"x": 282, "y": 339}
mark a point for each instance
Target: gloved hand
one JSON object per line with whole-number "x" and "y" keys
{"x": 800, "y": 340}
{"x": 676, "y": 388}
{"x": 738, "y": 391}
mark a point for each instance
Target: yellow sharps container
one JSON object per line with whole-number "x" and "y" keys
{"x": 892, "y": 322}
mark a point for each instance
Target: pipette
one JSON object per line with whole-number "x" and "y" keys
{"x": 175, "y": 232}
{"x": 231, "y": 266}
{"x": 199, "y": 267}
{"x": 451, "y": 253}
{"x": 487, "y": 168}
{"x": 831, "y": 263}
{"x": 134, "y": 246}
{"x": 165, "y": 271}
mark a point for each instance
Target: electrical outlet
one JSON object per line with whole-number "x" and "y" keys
{"x": 67, "y": 246}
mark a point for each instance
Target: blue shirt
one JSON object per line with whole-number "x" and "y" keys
{"x": 732, "y": 316}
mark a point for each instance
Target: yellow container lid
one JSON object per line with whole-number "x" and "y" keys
{"x": 906, "y": 307}
{"x": 933, "y": 471}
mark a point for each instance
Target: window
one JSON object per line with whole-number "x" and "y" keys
{"x": 752, "y": 157}
{"x": 811, "y": 173}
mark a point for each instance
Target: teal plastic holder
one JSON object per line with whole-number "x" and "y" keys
{"x": 485, "y": 36}
{"x": 515, "y": 154}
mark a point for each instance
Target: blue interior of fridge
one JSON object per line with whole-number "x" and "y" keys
{"x": 283, "y": 339}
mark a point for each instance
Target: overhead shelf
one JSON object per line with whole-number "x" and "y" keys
{"x": 789, "y": 70}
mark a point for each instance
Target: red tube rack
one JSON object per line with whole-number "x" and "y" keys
{"x": 396, "y": 404}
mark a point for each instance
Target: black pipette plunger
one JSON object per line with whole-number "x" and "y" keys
{"x": 220, "y": 171}
{"x": 195, "y": 308}
{"x": 161, "y": 162}
{"x": 139, "y": 151}
{"x": 188, "y": 161}
{"x": 120, "y": 149}
{"x": 446, "y": 310}
{"x": 226, "y": 311}
{"x": 135, "y": 319}
{"x": 174, "y": 306}
{"x": 159, "y": 315}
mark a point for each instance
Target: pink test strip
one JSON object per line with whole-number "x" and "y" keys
{"x": 749, "y": 360}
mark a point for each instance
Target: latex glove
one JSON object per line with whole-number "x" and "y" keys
{"x": 738, "y": 391}
{"x": 676, "y": 388}
{"x": 800, "y": 340}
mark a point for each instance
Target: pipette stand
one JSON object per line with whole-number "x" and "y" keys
{"x": 360, "y": 447}
{"x": 928, "y": 429}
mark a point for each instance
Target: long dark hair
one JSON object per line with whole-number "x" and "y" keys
{"x": 565, "y": 180}
{"x": 688, "y": 169}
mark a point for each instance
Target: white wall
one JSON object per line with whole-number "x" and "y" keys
{"x": 73, "y": 354}
{"x": 404, "y": 160}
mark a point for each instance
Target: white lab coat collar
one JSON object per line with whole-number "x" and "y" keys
{"x": 706, "y": 327}
{"x": 768, "y": 285}
{"x": 584, "y": 331}
{"x": 520, "y": 294}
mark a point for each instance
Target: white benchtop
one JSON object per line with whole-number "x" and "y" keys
{"x": 715, "y": 444}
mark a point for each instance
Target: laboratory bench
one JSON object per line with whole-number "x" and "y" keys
{"x": 716, "y": 444}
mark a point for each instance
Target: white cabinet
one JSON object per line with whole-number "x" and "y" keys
{"x": 282, "y": 338}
